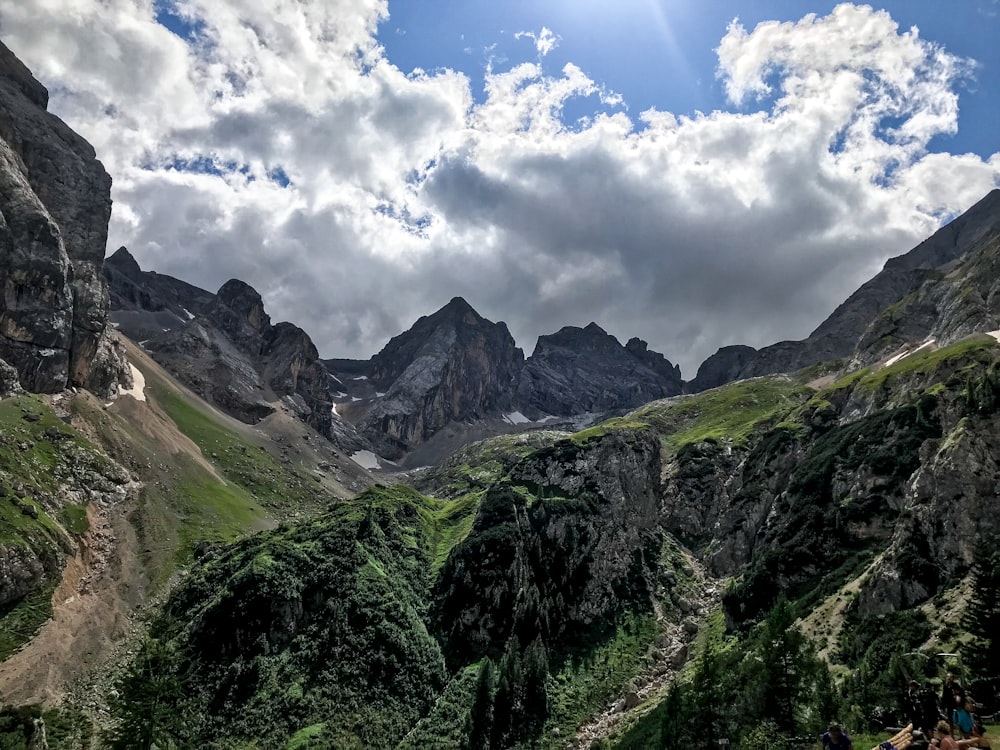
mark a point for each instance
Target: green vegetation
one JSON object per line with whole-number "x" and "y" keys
{"x": 873, "y": 645}
{"x": 39, "y": 456}
{"x": 809, "y": 549}
{"x": 479, "y": 465}
{"x": 279, "y": 488}
{"x": 768, "y": 685}
{"x": 970, "y": 352}
{"x": 731, "y": 412}
{"x": 65, "y": 729}
{"x": 588, "y": 679}
{"x": 315, "y": 628}
{"x": 983, "y": 614}
{"x": 74, "y": 519}
{"x": 21, "y": 621}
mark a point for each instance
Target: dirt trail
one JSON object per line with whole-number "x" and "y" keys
{"x": 672, "y": 655}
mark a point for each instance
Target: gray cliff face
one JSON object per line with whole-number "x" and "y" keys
{"x": 946, "y": 305}
{"x": 578, "y": 370}
{"x": 897, "y": 306}
{"x": 895, "y": 470}
{"x": 54, "y": 209}
{"x": 451, "y": 366}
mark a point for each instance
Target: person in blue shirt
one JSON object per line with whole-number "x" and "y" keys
{"x": 835, "y": 738}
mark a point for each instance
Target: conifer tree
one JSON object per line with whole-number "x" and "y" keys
{"x": 982, "y": 616}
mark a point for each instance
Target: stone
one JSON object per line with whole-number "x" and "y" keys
{"x": 632, "y": 700}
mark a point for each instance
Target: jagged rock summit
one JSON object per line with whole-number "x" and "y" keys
{"x": 451, "y": 366}
{"x": 579, "y": 370}
{"x": 144, "y": 303}
{"x": 55, "y": 203}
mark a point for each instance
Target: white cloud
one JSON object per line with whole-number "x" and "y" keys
{"x": 691, "y": 231}
{"x": 545, "y": 40}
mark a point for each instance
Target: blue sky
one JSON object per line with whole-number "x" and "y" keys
{"x": 660, "y": 53}
{"x": 644, "y": 164}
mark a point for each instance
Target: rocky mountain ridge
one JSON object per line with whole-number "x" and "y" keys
{"x": 222, "y": 345}
{"x": 856, "y": 330}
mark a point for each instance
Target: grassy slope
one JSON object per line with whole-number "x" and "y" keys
{"x": 730, "y": 412}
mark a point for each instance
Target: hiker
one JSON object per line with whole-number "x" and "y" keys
{"x": 835, "y": 738}
{"x": 928, "y": 708}
{"x": 952, "y": 694}
{"x": 947, "y": 742}
{"x": 961, "y": 717}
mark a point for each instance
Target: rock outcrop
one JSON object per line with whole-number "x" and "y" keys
{"x": 55, "y": 203}
{"x": 451, "y": 366}
{"x": 579, "y": 370}
{"x": 580, "y": 553}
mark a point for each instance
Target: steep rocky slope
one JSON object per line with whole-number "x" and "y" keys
{"x": 144, "y": 303}
{"x": 55, "y": 201}
{"x": 223, "y": 345}
{"x": 846, "y": 332}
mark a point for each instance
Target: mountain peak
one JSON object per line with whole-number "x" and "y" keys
{"x": 123, "y": 261}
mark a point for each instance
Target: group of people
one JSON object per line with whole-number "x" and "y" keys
{"x": 957, "y": 709}
{"x": 925, "y": 710}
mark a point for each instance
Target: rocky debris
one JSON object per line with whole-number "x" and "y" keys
{"x": 578, "y": 370}
{"x": 55, "y": 202}
{"x": 663, "y": 664}
{"x": 451, "y": 366}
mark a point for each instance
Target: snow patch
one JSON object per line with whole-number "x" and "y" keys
{"x": 903, "y": 355}
{"x": 355, "y": 398}
{"x": 360, "y": 377}
{"x": 137, "y": 391}
{"x": 188, "y": 313}
{"x": 336, "y": 378}
{"x": 365, "y": 459}
{"x": 549, "y": 418}
{"x": 994, "y": 334}
{"x": 379, "y": 394}
{"x": 516, "y": 417}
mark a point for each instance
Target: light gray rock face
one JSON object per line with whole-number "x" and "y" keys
{"x": 55, "y": 203}
{"x": 903, "y": 303}
{"x": 579, "y": 370}
{"x": 451, "y": 366}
